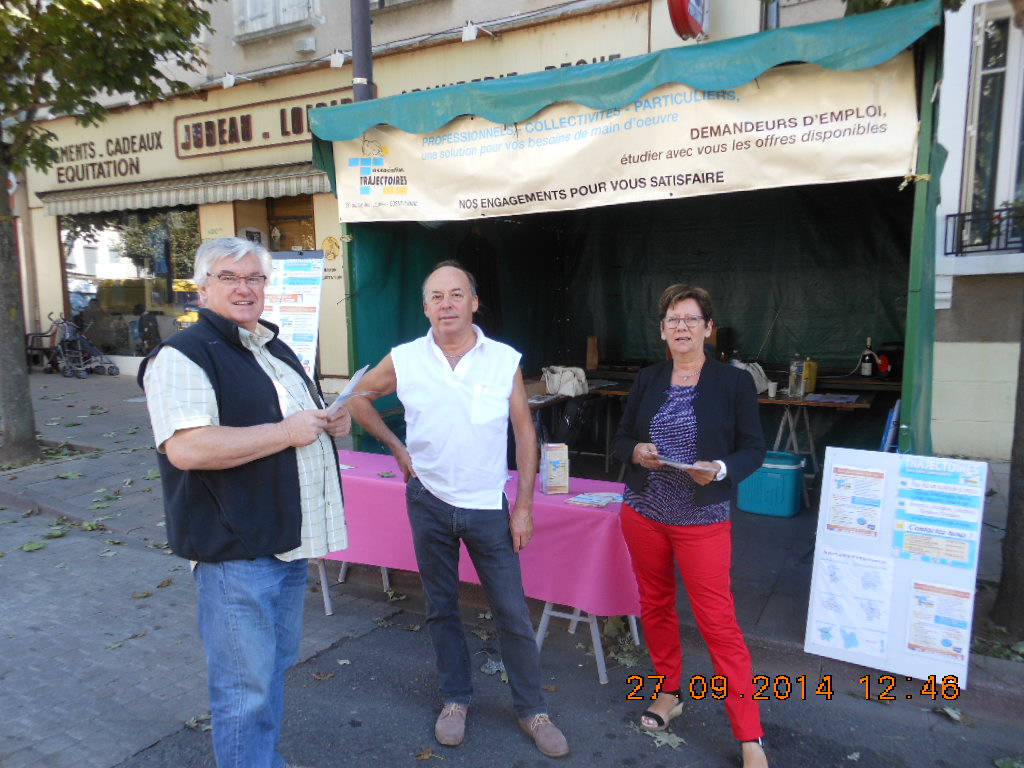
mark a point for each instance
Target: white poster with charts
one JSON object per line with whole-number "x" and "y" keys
{"x": 895, "y": 562}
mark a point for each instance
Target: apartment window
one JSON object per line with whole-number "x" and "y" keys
{"x": 253, "y": 16}
{"x": 994, "y": 158}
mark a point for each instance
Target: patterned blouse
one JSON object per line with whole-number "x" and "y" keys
{"x": 668, "y": 492}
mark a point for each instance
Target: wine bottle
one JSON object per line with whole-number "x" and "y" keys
{"x": 868, "y": 360}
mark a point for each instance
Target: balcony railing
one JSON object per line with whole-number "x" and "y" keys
{"x": 984, "y": 232}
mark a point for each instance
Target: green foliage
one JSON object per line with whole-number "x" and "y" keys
{"x": 57, "y": 57}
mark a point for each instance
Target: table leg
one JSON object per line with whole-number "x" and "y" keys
{"x": 325, "y": 587}
{"x": 574, "y": 618}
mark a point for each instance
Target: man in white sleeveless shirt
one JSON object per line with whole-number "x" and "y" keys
{"x": 460, "y": 390}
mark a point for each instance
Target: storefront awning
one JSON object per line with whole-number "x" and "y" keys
{"x": 852, "y": 43}
{"x": 250, "y": 184}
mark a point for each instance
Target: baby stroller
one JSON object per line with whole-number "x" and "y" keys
{"x": 75, "y": 355}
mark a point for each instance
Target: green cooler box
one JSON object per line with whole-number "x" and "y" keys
{"x": 775, "y": 488}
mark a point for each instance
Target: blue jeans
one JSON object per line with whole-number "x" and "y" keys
{"x": 250, "y": 619}
{"x": 437, "y": 528}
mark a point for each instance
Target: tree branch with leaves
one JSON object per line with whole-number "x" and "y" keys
{"x": 70, "y": 58}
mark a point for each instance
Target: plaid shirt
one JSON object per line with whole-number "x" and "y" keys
{"x": 179, "y": 396}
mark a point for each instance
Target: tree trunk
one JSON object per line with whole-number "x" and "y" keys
{"x": 18, "y": 420}
{"x": 1008, "y": 610}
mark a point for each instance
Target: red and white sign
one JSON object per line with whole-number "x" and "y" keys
{"x": 688, "y": 17}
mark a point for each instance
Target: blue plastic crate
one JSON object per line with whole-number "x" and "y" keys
{"x": 775, "y": 488}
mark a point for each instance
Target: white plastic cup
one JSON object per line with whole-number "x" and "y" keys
{"x": 773, "y": 388}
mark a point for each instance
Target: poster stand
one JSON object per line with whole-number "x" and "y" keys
{"x": 292, "y": 301}
{"x": 895, "y": 563}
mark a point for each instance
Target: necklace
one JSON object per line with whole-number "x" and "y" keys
{"x": 687, "y": 376}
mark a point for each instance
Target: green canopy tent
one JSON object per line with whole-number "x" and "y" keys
{"x": 833, "y": 262}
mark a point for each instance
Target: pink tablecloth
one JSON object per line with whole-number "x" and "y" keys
{"x": 577, "y": 556}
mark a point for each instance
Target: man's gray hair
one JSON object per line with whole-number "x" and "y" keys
{"x": 233, "y": 248}
{"x": 456, "y": 265}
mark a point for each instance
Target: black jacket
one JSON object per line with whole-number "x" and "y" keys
{"x": 728, "y": 425}
{"x": 252, "y": 510}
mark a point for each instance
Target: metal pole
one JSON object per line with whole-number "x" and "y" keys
{"x": 363, "y": 88}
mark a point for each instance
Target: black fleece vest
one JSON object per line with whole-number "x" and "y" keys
{"x": 252, "y": 510}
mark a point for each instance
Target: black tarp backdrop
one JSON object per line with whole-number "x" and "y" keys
{"x": 831, "y": 261}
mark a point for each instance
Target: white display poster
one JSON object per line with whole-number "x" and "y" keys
{"x": 850, "y": 604}
{"x": 895, "y": 562}
{"x": 293, "y": 302}
{"x": 854, "y": 501}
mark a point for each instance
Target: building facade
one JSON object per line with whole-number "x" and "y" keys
{"x": 979, "y": 249}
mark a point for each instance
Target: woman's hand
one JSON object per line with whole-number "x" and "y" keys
{"x": 646, "y": 455}
{"x": 706, "y": 474}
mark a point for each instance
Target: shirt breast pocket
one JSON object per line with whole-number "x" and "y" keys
{"x": 490, "y": 403}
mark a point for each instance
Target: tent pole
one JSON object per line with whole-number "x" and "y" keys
{"x": 915, "y": 418}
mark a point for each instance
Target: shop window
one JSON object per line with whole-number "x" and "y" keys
{"x": 291, "y": 223}
{"x": 130, "y": 276}
{"x": 268, "y": 16}
{"x": 994, "y": 147}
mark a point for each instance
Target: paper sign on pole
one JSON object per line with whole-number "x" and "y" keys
{"x": 794, "y": 125}
{"x": 895, "y": 562}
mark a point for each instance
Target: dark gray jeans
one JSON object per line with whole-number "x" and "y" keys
{"x": 437, "y": 528}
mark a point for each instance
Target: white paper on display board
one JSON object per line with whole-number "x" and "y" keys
{"x": 895, "y": 562}
{"x": 794, "y": 125}
{"x": 940, "y": 621}
{"x": 854, "y": 501}
{"x": 292, "y": 303}
{"x": 850, "y": 605}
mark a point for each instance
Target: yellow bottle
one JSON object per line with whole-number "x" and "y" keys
{"x": 810, "y": 375}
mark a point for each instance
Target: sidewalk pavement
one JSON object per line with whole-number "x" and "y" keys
{"x": 102, "y": 665}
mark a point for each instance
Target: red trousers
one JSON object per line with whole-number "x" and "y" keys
{"x": 704, "y": 556}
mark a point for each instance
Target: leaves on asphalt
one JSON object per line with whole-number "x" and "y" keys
{"x": 94, "y": 525}
{"x": 412, "y": 627}
{"x": 1010, "y": 762}
{"x": 321, "y": 676}
{"x": 141, "y": 595}
{"x": 165, "y": 583}
{"x": 153, "y": 474}
{"x": 426, "y": 754}
{"x": 394, "y": 596}
{"x": 33, "y": 546}
{"x": 661, "y": 738}
{"x": 108, "y": 553}
{"x": 69, "y": 475}
{"x": 32, "y": 512}
{"x": 200, "y": 723}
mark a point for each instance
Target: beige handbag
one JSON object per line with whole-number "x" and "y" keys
{"x": 565, "y": 380}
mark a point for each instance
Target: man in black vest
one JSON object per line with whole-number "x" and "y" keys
{"x": 251, "y": 490}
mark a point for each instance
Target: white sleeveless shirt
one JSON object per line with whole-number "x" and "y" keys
{"x": 457, "y": 419}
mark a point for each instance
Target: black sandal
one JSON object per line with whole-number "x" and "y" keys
{"x": 662, "y": 722}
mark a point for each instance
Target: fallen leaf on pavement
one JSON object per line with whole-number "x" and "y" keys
{"x": 322, "y": 675}
{"x": 32, "y": 546}
{"x": 165, "y": 583}
{"x": 200, "y": 723}
{"x": 153, "y": 474}
{"x": 69, "y": 475}
{"x": 108, "y": 553}
{"x": 426, "y": 753}
{"x": 412, "y": 627}
{"x": 141, "y": 595}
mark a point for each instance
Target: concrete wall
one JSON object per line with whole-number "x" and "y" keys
{"x": 977, "y": 344}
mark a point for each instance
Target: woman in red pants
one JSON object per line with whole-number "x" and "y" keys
{"x": 694, "y": 411}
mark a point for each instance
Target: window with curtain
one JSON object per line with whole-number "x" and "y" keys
{"x": 994, "y": 156}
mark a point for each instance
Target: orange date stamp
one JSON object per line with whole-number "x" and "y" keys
{"x": 801, "y": 687}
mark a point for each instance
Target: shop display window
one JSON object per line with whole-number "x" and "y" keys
{"x": 129, "y": 276}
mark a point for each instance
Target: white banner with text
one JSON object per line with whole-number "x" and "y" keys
{"x": 795, "y": 125}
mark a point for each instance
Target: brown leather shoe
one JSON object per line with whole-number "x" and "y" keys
{"x": 450, "y": 728}
{"x": 546, "y": 736}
